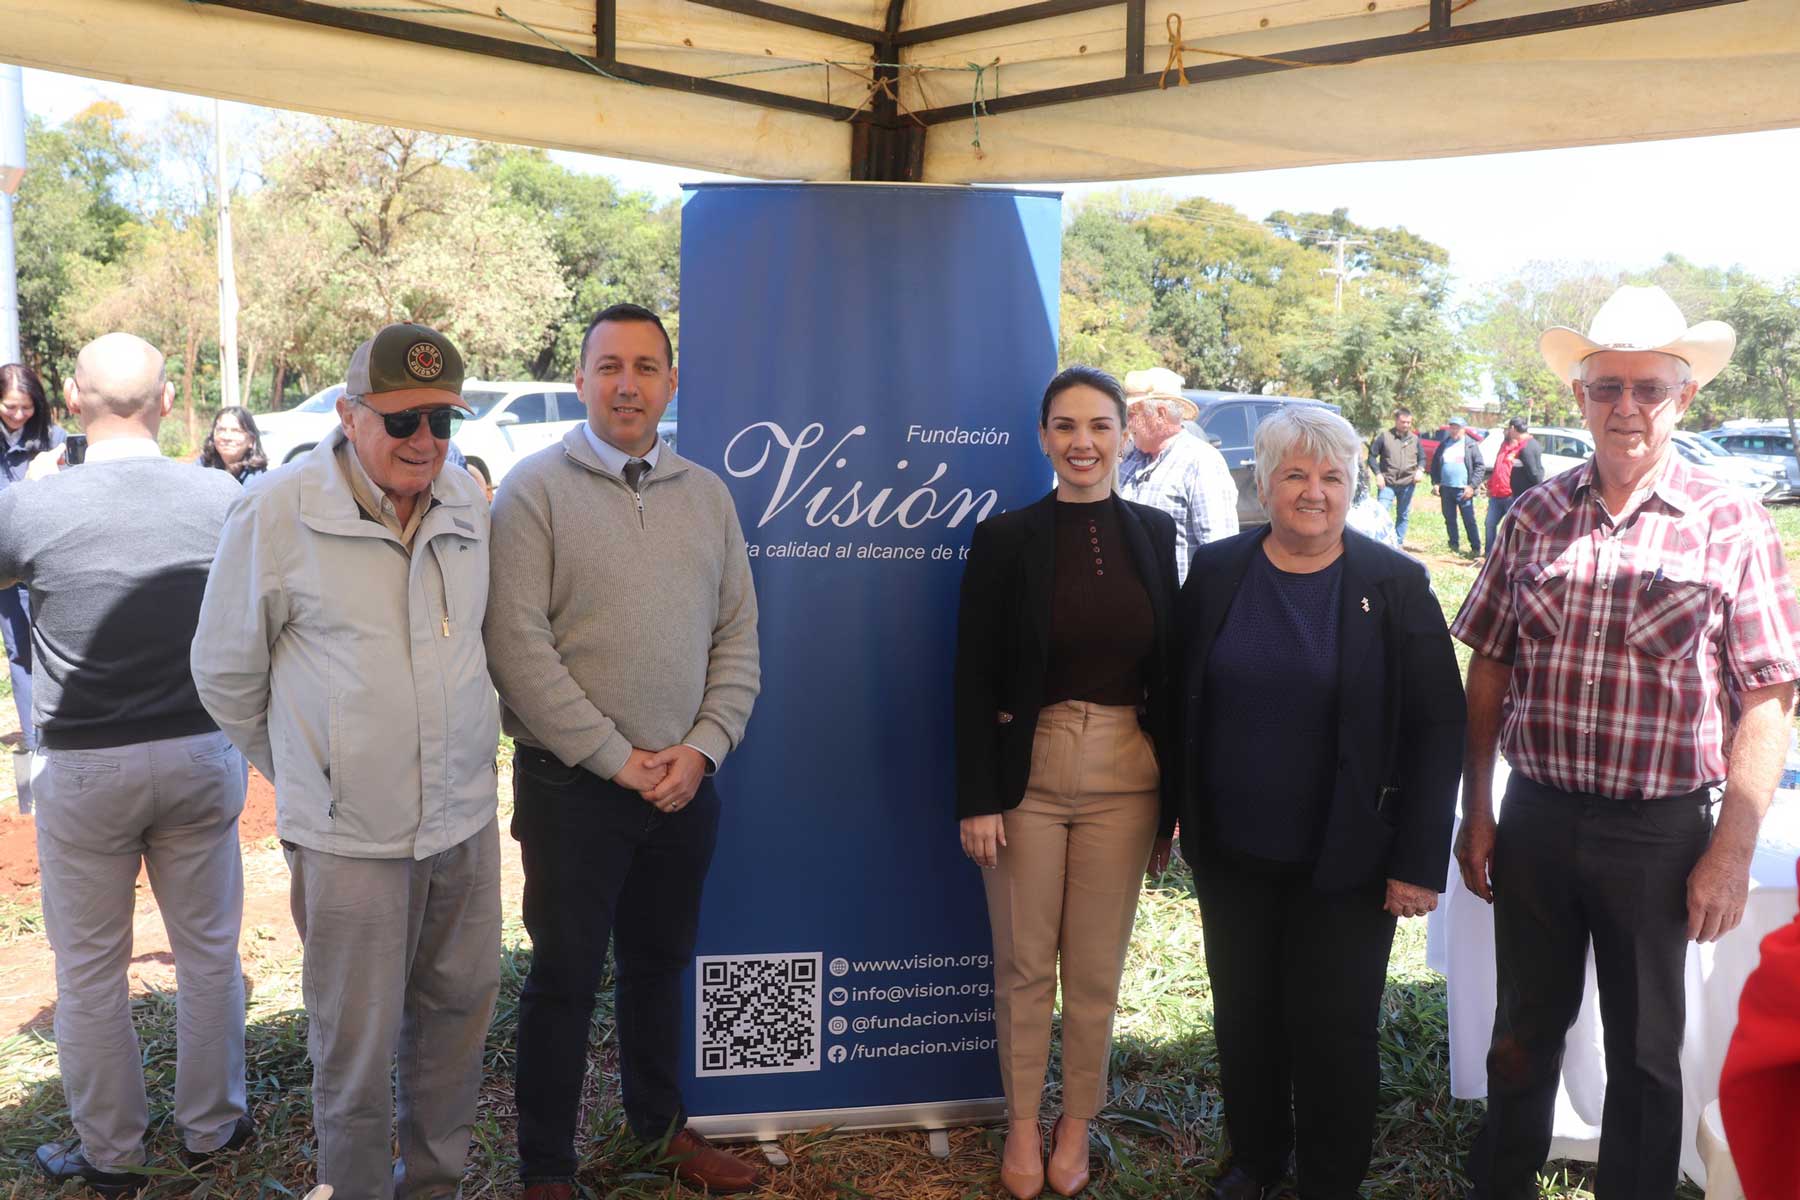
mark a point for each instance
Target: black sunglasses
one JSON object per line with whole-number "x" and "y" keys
{"x": 442, "y": 419}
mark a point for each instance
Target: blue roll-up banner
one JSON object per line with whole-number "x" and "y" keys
{"x": 862, "y": 365}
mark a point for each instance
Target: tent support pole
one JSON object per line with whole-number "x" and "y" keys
{"x": 782, "y": 15}
{"x": 885, "y": 147}
{"x": 1134, "y": 37}
{"x": 606, "y": 32}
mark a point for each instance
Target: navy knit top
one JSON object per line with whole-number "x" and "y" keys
{"x": 1271, "y": 701}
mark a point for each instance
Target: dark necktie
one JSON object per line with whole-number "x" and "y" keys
{"x": 635, "y": 470}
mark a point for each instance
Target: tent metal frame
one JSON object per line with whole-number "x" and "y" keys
{"x": 888, "y": 144}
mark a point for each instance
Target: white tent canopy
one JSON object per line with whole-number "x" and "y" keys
{"x": 893, "y": 89}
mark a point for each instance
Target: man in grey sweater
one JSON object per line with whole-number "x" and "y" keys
{"x": 129, "y": 767}
{"x": 621, "y": 634}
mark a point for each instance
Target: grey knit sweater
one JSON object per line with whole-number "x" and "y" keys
{"x": 613, "y": 624}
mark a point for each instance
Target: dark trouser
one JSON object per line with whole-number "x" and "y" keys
{"x": 1402, "y": 509}
{"x": 1451, "y": 499}
{"x": 1567, "y": 868}
{"x": 1497, "y": 507}
{"x": 1297, "y": 976}
{"x": 600, "y": 861}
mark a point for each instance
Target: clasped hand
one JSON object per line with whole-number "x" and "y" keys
{"x": 666, "y": 779}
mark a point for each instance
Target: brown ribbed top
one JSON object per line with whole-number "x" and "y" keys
{"x": 1102, "y": 628}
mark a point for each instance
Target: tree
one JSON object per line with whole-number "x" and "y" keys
{"x": 1106, "y": 294}
{"x": 69, "y": 219}
{"x": 413, "y": 235}
{"x": 610, "y": 245}
{"x": 1505, "y": 323}
{"x": 1382, "y": 253}
{"x": 165, "y": 290}
{"x": 1767, "y": 321}
{"x": 1388, "y": 347}
{"x": 1222, "y": 285}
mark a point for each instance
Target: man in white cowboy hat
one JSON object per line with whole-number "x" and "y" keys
{"x": 1624, "y": 602}
{"x": 1170, "y": 468}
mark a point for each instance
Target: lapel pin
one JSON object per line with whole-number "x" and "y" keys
{"x": 1365, "y": 603}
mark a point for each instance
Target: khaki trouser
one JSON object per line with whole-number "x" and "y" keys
{"x": 1067, "y": 882}
{"x": 172, "y": 804}
{"x": 401, "y": 957}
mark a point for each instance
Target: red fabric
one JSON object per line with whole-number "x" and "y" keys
{"x": 1759, "y": 1091}
{"x": 1499, "y": 484}
{"x": 1625, "y": 635}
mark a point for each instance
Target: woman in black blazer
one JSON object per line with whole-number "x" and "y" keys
{"x": 1322, "y": 734}
{"x": 1063, "y": 656}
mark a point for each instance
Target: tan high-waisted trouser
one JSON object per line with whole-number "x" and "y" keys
{"x": 1067, "y": 883}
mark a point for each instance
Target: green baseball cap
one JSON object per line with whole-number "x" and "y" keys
{"x": 402, "y": 357}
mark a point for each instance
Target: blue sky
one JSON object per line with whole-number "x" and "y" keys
{"x": 1720, "y": 200}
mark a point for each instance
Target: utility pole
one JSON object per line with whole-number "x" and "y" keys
{"x": 228, "y": 297}
{"x": 12, "y": 172}
{"x": 1341, "y": 243}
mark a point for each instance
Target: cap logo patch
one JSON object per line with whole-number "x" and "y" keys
{"x": 424, "y": 361}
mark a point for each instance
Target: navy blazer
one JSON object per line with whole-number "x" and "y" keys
{"x": 1003, "y": 649}
{"x": 1401, "y": 714}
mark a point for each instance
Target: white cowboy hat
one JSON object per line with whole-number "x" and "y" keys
{"x": 1641, "y": 319}
{"x": 1159, "y": 383}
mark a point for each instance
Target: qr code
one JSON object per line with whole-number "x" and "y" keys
{"x": 758, "y": 1014}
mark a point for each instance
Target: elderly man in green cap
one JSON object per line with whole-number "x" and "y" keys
{"x": 340, "y": 647}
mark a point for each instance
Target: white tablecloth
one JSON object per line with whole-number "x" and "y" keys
{"x": 1460, "y": 945}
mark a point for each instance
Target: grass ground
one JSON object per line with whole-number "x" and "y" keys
{"x": 1160, "y": 1136}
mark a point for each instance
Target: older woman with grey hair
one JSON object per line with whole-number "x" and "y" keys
{"x": 1310, "y": 652}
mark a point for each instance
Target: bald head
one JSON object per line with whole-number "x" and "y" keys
{"x": 120, "y": 375}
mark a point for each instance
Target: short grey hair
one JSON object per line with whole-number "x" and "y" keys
{"x": 1311, "y": 430}
{"x": 1579, "y": 373}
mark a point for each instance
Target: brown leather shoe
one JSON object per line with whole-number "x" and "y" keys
{"x": 699, "y": 1162}
{"x": 549, "y": 1191}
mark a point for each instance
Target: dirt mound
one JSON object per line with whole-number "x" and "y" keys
{"x": 18, "y": 835}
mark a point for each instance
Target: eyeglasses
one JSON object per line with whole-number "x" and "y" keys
{"x": 1644, "y": 395}
{"x": 442, "y": 419}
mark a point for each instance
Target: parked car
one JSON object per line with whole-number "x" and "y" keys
{"x": 1228, "y": 420}
{"x": 1768, "y": 441}
{"x": 293, "y": 431}
{"x": 1428, "y": 442}
{"x": 1766, "y": 480}
{"x": 509, "y": 419}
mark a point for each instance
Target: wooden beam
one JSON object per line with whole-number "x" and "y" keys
{"x": 418, "y": 33}
{"x": 1004, "y": 18}
{"x": 606, "y": 31}
{"x": 1134, "y": 37}
{"x": 1440, "y": 15}
{"x": 1339, "y": 54}
{"x": 782, "y": 15}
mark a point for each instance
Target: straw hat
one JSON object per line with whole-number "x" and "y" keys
{"x": 1159, "y": 383}
{"x": 1641, "y": 319}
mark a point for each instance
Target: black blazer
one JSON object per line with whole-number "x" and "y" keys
{"x": 1003, "y": 649}
{"x": 1401, "y": 714}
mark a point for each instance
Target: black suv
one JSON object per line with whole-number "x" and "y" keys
{"x": 1228, "y": 420}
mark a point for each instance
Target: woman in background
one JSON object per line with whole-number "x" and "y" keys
{"x": 234, "y": 445}
{"x": 1063, "y": 719}
{"x": 28, "y": 431}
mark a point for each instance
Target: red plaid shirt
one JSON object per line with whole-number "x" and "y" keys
{"x": 1625, "y": 635}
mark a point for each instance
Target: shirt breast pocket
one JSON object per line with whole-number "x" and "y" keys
{"x": 1540, "y": 593}
{"x": 1669, "y": 617}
